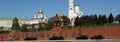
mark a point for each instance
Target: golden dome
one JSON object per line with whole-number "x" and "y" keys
{"x": 76, "y": 4}
{"x": 40, "y": 11}
{"x": 61, "y": 15}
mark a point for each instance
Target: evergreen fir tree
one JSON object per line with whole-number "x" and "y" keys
{"x": 15, "y": 25}
{"x": 96, "y": 19}
{"x": 110, "y": 18}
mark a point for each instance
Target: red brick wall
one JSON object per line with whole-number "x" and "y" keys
{"x": 107, "y": 32}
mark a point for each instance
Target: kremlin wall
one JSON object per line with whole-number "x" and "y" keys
{"x": 107, "y": 32}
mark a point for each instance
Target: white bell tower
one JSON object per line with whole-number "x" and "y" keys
{"x": 71, "y": 13}
{"x": 78, "y": 12}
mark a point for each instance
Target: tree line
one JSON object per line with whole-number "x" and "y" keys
{"x": 96, "y": 20}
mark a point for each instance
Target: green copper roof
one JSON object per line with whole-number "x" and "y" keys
{"x": 7, "y": 18}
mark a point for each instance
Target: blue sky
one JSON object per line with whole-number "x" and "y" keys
{"x": 27, "y": 8}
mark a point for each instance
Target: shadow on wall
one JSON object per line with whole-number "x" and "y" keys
{"x": 95, "y": 37}
{"x": 56, "y": 38}
{"x": 31, "y": 38}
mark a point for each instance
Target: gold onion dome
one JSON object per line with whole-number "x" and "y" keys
{"x": 76, "y": 4}
{"x": 61, "y": 15}
{"x": 40, "y": 11}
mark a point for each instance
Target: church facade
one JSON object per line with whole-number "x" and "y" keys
{"x": 39, "y": 18}
{"x": 39, "y": 21}
{"x": 73, "y": 12}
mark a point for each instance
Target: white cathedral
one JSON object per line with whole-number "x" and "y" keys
{"x": 39, "y": 18}
{"x": 73, "y": 12}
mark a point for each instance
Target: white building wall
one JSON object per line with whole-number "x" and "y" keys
{"x": 7, "y": 24}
